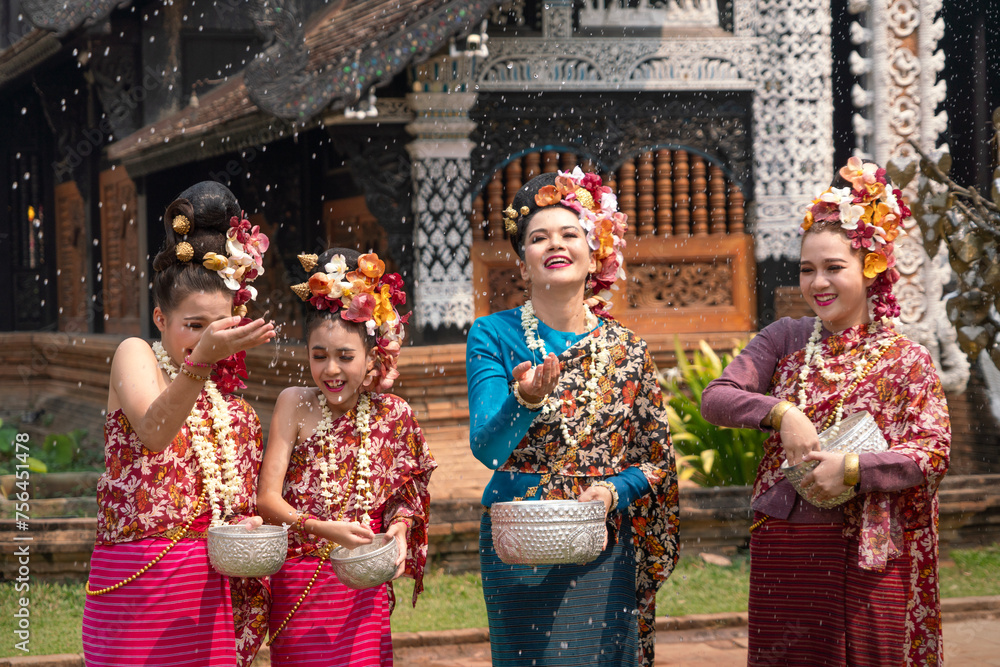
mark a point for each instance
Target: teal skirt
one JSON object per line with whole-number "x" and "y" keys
{"x": 562, "y": 615}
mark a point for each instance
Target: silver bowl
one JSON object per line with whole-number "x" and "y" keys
{"x": 548, "y": 532}
{"x": 237, "y": 551}
{"x": 368, "y": 565}
{"x": 857, "y": 434}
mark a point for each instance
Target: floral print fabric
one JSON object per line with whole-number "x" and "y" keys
{"x": 401, "y": 466}
{"x": 144, "y": 493}
{"x": 630, "y": 430}
{"x": 904, "y": 395}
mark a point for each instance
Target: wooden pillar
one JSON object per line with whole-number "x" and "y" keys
{"x": 626, "y": 196}
{"x": 532, "y": 166}
{"x": 550, "y": 162}
{"x": 664, "y": 196}
{"x": 495, "y": 206}
{"x": 699, "y": 196}
{"x": 477, "y": 220}
{"x": 717, "y": 200}
{"x": 735, "y": 209}
{"x": 567, "y": 161}
{"x": 645, "y": 216}
{"x": 682, "y": 197}
{"x": 512, "y": 180}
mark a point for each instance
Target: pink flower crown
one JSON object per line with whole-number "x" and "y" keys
{"x": 870, "y": 212}
{"x": 600, "y": 218}
{"x": 367, "y": 295}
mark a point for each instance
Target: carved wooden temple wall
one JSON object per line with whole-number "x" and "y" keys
{"x": 689, "y": 262}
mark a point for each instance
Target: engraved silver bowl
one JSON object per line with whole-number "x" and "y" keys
{"x": 548, "y": 532}
{"x": 237, "y": 551}
{"x": 857, "y": 434}
{"x": 368, "y": 565}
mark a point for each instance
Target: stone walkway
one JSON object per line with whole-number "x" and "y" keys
{"x": 971, "y": 642}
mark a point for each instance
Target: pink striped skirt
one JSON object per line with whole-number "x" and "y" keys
{"x": 334, "y": 626}
{"x": 810, "y": 603}
{"x": 179, "y": 612}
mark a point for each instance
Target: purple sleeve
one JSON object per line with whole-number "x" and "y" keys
{"x": 888, "y": 471}
{"x": 737, "y": 398}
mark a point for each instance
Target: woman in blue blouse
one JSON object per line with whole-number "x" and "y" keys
{"x": 565, "y": 404}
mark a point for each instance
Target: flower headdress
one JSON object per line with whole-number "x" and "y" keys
{"x": 871, "y": 213}
{"x": 240, "y": 266}
{"x": 367, "y": 295}
{"x": 242, "y": 263}
{"x": 600, "y": 218}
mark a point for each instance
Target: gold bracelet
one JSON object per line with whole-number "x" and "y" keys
{"x": 525, "y": 403}
{"x": 852, "y": 469}
{"x": 192, "y": 375}
{"x": 777, "y": 412}
{"x": 604, "y": 484}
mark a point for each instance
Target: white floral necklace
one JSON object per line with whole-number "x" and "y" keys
{"x": 813, "y": 358}
{"x": 600, "y": 358}
{"x": 362, "y": 467}
{"x": 222, "y": 483}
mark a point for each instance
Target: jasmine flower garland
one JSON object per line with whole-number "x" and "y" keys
{"x": 362, "y": 469}
{"x": 222, "y": 483}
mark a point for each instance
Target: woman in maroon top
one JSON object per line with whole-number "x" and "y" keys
{"x": 856, "y": 584}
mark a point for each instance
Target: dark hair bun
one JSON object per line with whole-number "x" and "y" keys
{"x": 350, "y": 258}
{"x": 207, "y": 208}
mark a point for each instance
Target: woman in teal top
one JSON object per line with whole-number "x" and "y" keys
{"x": 565, "y": 404}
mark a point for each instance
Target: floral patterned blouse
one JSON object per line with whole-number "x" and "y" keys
{"x": 144, "y": 493}
{"x": 401, "y": 466}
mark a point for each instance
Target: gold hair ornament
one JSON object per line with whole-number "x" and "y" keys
{"x": 308, "y": 262}
{"x": 184, "y": 251}
{"x": 181, "y": 224}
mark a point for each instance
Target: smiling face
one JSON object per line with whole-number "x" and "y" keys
{"x": 182, "y": 327}
{"x": 556, "y": 252}
{"x": 832, "y": 280}
{"x": 338, "y": 363}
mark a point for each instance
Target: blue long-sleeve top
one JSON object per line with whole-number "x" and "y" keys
{"x": 496, "y": 344}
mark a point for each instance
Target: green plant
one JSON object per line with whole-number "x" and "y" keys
{"x": 11, "y": 455}
{"x": 60, "y": 452}
{"x": 710, "y": 455}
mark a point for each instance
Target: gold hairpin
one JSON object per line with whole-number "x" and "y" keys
{"x": 184, "y": 251}
{"x": 302, "y": 291}
{"x": 308, "y": 261}
{"x": 181, "y": 224}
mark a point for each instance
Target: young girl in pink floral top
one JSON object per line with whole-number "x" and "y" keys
{"x": 855, "y": 584}
{"x": 343, "y": 463}
{"x": 182, "y": 453}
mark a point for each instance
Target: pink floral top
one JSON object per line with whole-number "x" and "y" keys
{"x": 401, "y": 466}
{"x": 143, "y": 493}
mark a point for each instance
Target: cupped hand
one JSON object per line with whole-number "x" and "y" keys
{"x": 227, "y": 336}
{"x": 602, "y": 494}
{"x": 349, "y": 534}
{"x": 537, "y": 382}
{"x": 798, "y": 436}
{"x": 826, "y": 481}
{"x": 398, "y": 532}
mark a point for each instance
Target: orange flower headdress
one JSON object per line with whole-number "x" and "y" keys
{"x": 367, "y": 295}
{"x": 871, "y": 213}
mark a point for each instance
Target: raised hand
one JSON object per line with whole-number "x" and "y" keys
{"x": 537, "y": 382}
{"x": 227, "y": 336}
